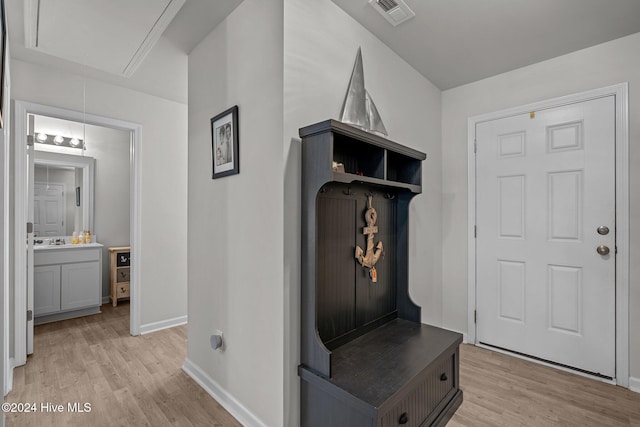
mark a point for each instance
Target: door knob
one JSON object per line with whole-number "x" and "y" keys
{"x": 603, "y": 230}
{"x": 602, "y": 249}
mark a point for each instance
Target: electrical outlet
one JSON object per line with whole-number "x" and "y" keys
{"x": 217, "y": 340}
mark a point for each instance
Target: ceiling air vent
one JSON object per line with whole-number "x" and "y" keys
{"x": 394, "y": 11}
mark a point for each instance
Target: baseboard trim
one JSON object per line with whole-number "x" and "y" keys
{"x": 106, "y": 300}
{"x": 163, "y": 324}
{"x": 634, "y": 384}
{"x": 224, "y": 398}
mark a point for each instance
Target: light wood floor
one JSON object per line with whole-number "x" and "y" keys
{"x": 500, "y": 390}
{"x": 129, "y": 381}
{"x": 138, "y": 381}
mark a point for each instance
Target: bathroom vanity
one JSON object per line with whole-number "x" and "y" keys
{"x": 67, "y": 281}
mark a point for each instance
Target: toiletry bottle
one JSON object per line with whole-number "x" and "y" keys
{"x": 87, "y": 236}
{"x": 74, "y": 238}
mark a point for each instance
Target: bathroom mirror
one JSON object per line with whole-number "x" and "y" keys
{"x": 63, "y": 190}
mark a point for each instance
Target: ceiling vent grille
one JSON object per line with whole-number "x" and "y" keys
{"x": 387, "y": 5}
{"x": 394, "y": 11}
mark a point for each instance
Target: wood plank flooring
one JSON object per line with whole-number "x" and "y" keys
{"x": 500, "y": 390}
{"x": 138, "y": 381}
{"x": 129, "y": 381}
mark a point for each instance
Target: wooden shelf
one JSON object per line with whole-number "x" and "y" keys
{"x": 366, "y": 157}
{"x": 365, "y": 358}
{"x": 120, "y": 273}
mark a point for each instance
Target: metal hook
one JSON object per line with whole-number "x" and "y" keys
{"x": 389, "y": 196}
{"x": 348, "y": 192}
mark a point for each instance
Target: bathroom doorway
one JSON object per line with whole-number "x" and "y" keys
{"x": 115, "y": 218}
{"x": 58, "y": 203}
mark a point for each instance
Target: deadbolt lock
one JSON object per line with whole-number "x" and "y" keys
{"x": 603, "y": 230}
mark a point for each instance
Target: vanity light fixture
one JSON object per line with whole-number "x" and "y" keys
{"x": 59, "y": 140}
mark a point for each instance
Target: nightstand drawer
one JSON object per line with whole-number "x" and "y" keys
{"x": 123, "y": 259}
{"x": 123, "y": 274}
{"x": 420, "y": 402}
{"x": 122, "y": 290}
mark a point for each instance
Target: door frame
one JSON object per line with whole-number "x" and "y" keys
{"x": 22, "y": 108}
{"x": 621, "y": 93}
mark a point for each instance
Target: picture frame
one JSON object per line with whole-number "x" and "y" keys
{"x": 224, "y": 143}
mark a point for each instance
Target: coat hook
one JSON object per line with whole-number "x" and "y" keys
{"x": 390, "y": 196}
{"x": 348, "y": 192}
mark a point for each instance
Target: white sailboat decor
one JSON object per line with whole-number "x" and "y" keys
{"x": 358, "y": 108}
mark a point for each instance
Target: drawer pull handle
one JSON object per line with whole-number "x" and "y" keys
{"x": 403, "y": 418}
{"x": 443, "y": 377}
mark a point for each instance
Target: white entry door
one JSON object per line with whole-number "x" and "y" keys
{"x": 48, "y": 209}
{"x": 545, "y": 193}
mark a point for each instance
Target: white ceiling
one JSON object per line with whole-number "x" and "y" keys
{"x": 108, "y": 40}
{"x": 454, "y": 42}
{"x": 113, "y": 36}
{"x": 451, "y": 42}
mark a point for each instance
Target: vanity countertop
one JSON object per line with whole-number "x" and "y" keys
{"x": 67, "y": 246}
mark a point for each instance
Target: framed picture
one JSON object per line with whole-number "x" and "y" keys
{"x": 224, "y": 143}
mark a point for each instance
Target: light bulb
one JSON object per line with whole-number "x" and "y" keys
{"x": 58, "y": 139}
{"x": 74, "y": 142}
{"x": 42, "y": 137}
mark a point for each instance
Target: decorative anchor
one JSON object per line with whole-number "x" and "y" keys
{"x": 371, "y": 257}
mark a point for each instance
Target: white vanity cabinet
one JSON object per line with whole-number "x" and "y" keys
{"x": 67, "y": 282}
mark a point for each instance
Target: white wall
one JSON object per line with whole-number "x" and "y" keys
{"x": 110, "y": 148}
{"x": 321, "y": 42}
{"x": 163, "y": 155}
{"x": 235, "y": 223}
{"x": 603, "y": 65}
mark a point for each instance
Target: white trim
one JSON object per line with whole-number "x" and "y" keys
{"x": 7, "y": 372}
{"x": 223, "y": 397}
{"x": 620, "y": 91}
{"x": 135, "y": 233}
{"x": 9, "y": 379}
{"x": 20, "y": 235}
{"x": 22, "y": 108}
{"x": 634, "y": 384}
{"x": 31, "y": 23}
{"x": 154, "y": 34}
{"x": 471, "y": 238}
{"x": 162, "y": 324}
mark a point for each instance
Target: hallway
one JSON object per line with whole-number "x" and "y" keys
{"x": 128, "y": 381}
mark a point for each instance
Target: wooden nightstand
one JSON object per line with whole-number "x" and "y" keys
{"x": 120, "y": 272}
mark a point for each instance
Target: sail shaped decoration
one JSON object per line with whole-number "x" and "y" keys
{"x": 358, "y": 108}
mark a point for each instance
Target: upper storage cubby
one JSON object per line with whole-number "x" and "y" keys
{"x": 358, "y": 158}
{"x": 350, "y": 154}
